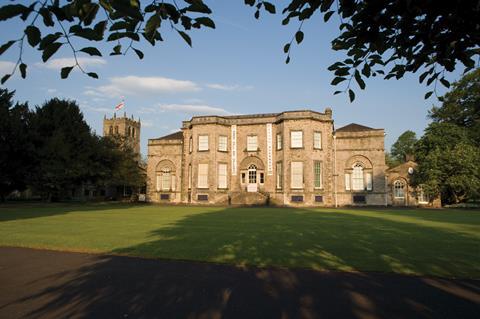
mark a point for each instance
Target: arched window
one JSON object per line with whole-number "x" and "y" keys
{"x": 116, "y": 129}
{"x": 133, "y": 132}
{"x": 165, "y": 179}
{"x": 399, "y": 189}
{"x": 252, "y": 174}
{"x": 110, "y": 131}
{"x": 129, "y": 131}
{"x": 357, "y": 177}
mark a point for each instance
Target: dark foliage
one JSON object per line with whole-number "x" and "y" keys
{"x": 386, "y": 38}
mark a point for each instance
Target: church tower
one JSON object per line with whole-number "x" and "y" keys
{"x": 124, "y": 127}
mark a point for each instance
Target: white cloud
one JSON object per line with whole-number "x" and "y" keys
{"x": 6, "y": 67}
{"x": 226, "y": 87}
{"x": 84, "y": 62}
{"x": 137, "y": 85}
{"x": 52, "y": 91}
{"x": 193, "y": 109}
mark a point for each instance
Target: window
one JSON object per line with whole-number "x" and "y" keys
{"x": 164, "y": 196}
{"x": 111, "y": 130}
{"x": 297, "y": 198}
{"x": 252, "y": 174}
{"x": 279, "y": 175}
{"x": 262, "y": 178}
{"x": 189, "y": 176}
{"x": 296, "y": 175}
{"x": 133, "y": 132}
{"x": 357, "y": 177}
{"x": 317, "y": 173}
{"x": 190, "y": 144}
{"x": 222, "y": 176}
{"x": 164, "y": 180}
{"x": 399, "y": 189}
{"x": 202, "y": 176}
{"x": 222, "y": 143}
{"x": 319, "y": 198}
{"x": 202, "y": 197}
{"x": 317, "y": 140}
{"x": 203, "y": 142}
{"x": 116, "y": 129}
{"x": 359, "y": 199}
{"x": 129, "y": 131}
{"x": 347, "y": 182}
{"x": 252, "y": 143}
{"x": 296, "y": 139}
{"x": 422, "y": 197}
{"x": 369, "y": 181}
{"x": 279, "y": 141}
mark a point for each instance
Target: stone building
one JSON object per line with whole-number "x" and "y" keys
{"x": 401, "y": 193}
{"x": 291, "y": 158}
{"x": 125, "y": 128}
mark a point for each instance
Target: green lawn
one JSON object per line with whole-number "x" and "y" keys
{"x": 434, "y": 242}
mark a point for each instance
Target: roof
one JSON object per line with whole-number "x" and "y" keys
{"x": 174, "y": 136}
{"x": 354, "y": 127}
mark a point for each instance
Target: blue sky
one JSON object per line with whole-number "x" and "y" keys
{"x": 238, "y": 68}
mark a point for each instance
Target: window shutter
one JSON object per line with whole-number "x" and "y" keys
{"x": 296, "y": 175}
{"x": 347, "y": 182}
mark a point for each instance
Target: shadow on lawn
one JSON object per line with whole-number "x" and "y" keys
{"x": 119, "y": 287}
{"x": 22, "y": 210}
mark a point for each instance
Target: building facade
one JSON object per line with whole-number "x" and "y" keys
{"x": 292, "y": 158}
{"x": 128, "y": 129}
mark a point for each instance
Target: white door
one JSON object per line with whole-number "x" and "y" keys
{"x": 252, "y": 179}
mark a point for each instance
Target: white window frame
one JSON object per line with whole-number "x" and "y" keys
{"x": 222, "y": 176}
{"x": 358, "y": 180}
{"x": 317, "y": 174}
{"x": 296, "y": 139}
{"x": 296, "y": 175}
{"x": 397, "y": 188}
{"x": 317, "y": 140}
{"x": 202, "y": 178}
{"x": 203, "y": 142}
{"x": 252, "y": 143}
{"x": 222, "y": 143}
{"x": 279, "y": 182}
{"x": 279, "y": 141}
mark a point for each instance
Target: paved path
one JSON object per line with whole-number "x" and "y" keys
{"x": 48, "y": 284}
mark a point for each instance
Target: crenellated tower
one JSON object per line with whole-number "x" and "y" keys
{"x": 125, "y": 127}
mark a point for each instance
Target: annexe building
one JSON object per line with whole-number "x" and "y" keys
{"x": 290, "y": 158}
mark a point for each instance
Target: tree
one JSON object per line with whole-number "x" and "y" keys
{"x": 404, "y": 146}
{"x": 387, "y": 38}
{"x": 461, "y": 106}
{"x": 390, "y": 161}
{"x": 65, "y": 149}
{"x": 16, "y": 148}
{"x": 448, "y": 163}
{"x": 126, "y": 169}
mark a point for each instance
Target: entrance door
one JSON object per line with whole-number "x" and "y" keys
{"x": 252, "y": 179}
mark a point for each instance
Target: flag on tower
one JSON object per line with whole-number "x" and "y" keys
{"x": 120, "y": 106}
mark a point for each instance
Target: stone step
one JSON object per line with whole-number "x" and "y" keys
{"x": 249, "y": 199}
